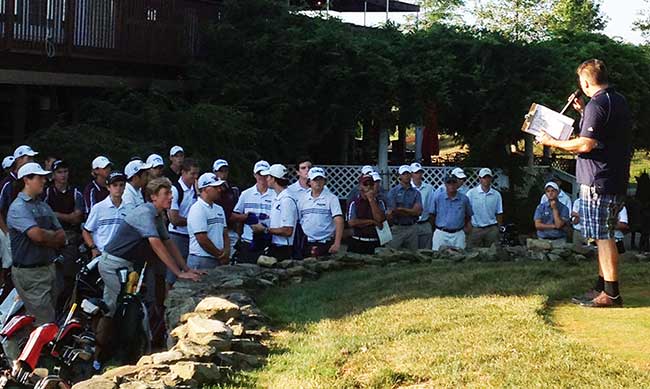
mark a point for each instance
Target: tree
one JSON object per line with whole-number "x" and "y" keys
{"x": 642, "y": 23}
{"x": 576, "y": 16}
{"x": 518, "y": 20}
{"x": 442, "y": 11}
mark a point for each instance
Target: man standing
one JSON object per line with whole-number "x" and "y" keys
{"x": 365, "y": 214}
{"x": 183, "y": 197}
{"x": 404, "y": 205}
{"x": 284, "y": 214}
{"x": 487, "y": 209}
{"x": 551, "y": 216}
{"x": 96, "y": 190}
{"x": 461, "y": 177}
{"x": 227, "y": 199}
{"x": 136, "y": 173}
{"x": 104, "y": 218}
{"x": 423, "y": 226}
{"x": 35, "y": 235}
{"x": 68, "y": 206}
{"x": 253, "y": 207}
{"x": 320, "y": 217}
{"x": 451, "y": 213}
{"x": 206, "y": 225}
{"x": 297, "y": 190}
{"x": 176, "y": 157}
{"x": 604, "y": 151}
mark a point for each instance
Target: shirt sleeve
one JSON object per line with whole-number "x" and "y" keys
{"x": 593, "y": 121}
{"x": 5, "y": 196}
{"x": 538, "y": 213}
{"x": 564, "y": 213}
{"x": 288, "y": 213}
{"x": 499, "y": 204}
{"x": 390, "y": 199}
{"x": 418, "y": 199}
{"x": 79, "y": 201}
{"x": 174, "y": 206}
{"x": 622, "y": 216}
{"x": 335, "y": 206}
{"x": 468, "y": 208}
{"x": 20, "y": 219}
{"x": 239, "y": 207}
{"x": 91, "y": 221}
{"x": 352, "y": 211}
{"x": 196, "y": 221}
{"x": 143, "y": 220}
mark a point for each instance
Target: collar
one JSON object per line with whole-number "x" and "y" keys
{"x": 185, "y": 187}
{"x": 479, "y": 189}
{"x": 452, "y": 198}
{"x": 204, "y": 203}
{"x": 112, "y": 204}
{"x": 12, "y": 174}
{"x": 23, "y": 196}
{"x": 311, "y": 194}
{"x": 255, "y": 191}
{"x": 600, "y": 92}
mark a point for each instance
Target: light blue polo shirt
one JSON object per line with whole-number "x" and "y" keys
{"x": 296, "y": 191}
{"x": 103, "y": 220}
{"x": 317, "y": 215}
{"x": 132, "y": 197}
{"x": 426, "y": 191}
{"x": 485, "y": 206}
{"x": 208, "y": 218}
{"x": 189, "y": 198}
{"x": 251, "y": 200}
{"x": 450, "y": 213}
{"x": 545, "y": 214}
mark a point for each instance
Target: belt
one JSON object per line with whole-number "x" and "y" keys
{"x": 491, "y": 225}
{"x": 449, "y": 230}
{"x": 365, "y": 239}
{"x": 320, "y": 241}
{"x": 403, "y": 224}
{"x": 179, "y": 234}
{"x": 423, "y": 221}
{"x": 31, "y": 266}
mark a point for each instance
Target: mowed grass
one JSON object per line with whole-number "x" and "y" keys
{"x": 451, "y": 325}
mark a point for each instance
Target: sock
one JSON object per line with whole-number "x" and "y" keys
{"x": 611, "y": 288}
{"x": 600, "y": 284}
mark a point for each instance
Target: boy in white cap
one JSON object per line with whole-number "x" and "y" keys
{"x": 35, "y": 234}
{"x": 423, "y": 225}
{"x": 253, "y": 207}
{"x": 404, "y": 207}
{"x": 157, "y": 166}
{"x": 321, "y": 217}
{"x": 207, "y": 228}
{"x": 354, "y": 193}
{"x": 22, "y": 155}
{"x": 487, "y": 207}
{"x": 176, "y": 157}
{"x": 461, "y": 177}
{"x": 284, "y": 214}
{"x": 227, "y": 200}
{"x": 96, "y": 190}
{"x": 297, "y": 190}
{"x": 551, "y": 216}
{"x": 136, "y": 179}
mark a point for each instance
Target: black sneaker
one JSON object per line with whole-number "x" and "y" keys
{"x": 588, "y": 296}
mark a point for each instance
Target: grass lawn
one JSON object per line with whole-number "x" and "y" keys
{"x": 450, "y": 325}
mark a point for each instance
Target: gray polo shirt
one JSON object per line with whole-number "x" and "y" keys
{"x": 24, "y": 214}
{"x": 400, "y": 197}
{"x": 130, "y": 240}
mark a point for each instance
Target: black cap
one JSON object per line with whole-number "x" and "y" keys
{"x": 115, "y": 177}
{"x": 59, "y": 163}
{"x": 450, "y": 178}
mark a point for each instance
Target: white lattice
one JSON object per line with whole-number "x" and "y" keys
{"x": 341, "y": 179}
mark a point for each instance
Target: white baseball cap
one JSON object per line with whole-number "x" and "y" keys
{"x": 458, "y": 173}
{"x": 209, "y": 179}
{"x": 416, "y": 167}
{"x": 485, "y": 172}
{"x": 276, "y": 170}
{"x": 218, "y": 164}
{"x": 260, "y": 166}
{"x": 404, "y": 169}
{"x": 23, "y": 150}
{"x": 8, "y": 161}
{"x": 375, "y": 176}
{"x": 552, "y": 185}
{"x": 155, "y": 160}
{"x": 100, "y": 162}
{"x": 175, "y": 150}
{"x": 366, "y": 170}
{"x": 32, "y": 168}
{"x": 316, "y": 172}
{"x": 132, "y": 168}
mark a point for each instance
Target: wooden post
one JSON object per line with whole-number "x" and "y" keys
{"x": 19, "y": 113}
{"x": 70, "y": 21}
{"x": 382, "y": 157}
{"x": 10, "y": 19}
{"x": 528, "y": 150}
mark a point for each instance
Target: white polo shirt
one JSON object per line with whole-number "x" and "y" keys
{"x": 189, "y": 198}
{"x": 317, "y": 215}
{"x": 103, "y": 220}
{"x": 208, "y": 218}
{"x": 485, "y": 205}
{"x": 132, "y": 197}
{"x": 426, "y": 190}
{"x": 284, "y": 213}
{"x": 296, "y": 191}
{"x": 251, "y": 200}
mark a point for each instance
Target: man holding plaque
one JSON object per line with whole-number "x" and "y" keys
{"x": 604, "y": 150}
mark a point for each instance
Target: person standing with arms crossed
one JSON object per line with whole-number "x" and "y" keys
{"x": 604, "y": 150}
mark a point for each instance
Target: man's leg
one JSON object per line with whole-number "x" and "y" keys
{"x": 398, "y": 237}
{"x": 411, "y": 237}
{"x": 425, "y": 233}
{"x": 608, "y": 265}
{"x": 437, "y": 240}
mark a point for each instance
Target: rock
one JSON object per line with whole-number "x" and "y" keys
{"x": 234, "y": 283}
{"x": 218, "y": 308}
{"x": 582, "y": 249}
{"x": 145, "y": 360}
{"x": 296, "y": 271}
{"x": 265, "y": 261}
{"x": 642, "y": 257}
{"x": 473, "y": 256}
{"x": 175, "y": 310}
{"x": 122, "y": 371}
{"x": 561, "y": 244}
{"x": 166, "y": 357}
{"x": 96, "y": 382}
{"x": 370, "y": 260}
{"x": 208, "y": 331}
{"x": 142, "y": 385}
{"x": 326, "y": 265}
{"x": 296, "y": 280}
{"x": 238, "y": 298}
{"x": 287, "y": 263}
{"x": 561, "y": 252}
{"x": 258, "y": 334}
{"x": 538, "y": 256}
{"x": 553, "y": 257}
{"x": 179, "y": 332}
{"x": 194, "y": 351}
{"x": 309, "y": 261}
{"x": 426, "y": 252}
{"x": 237, "y": 327}
{"x": 247, "y": 346}
{"x": 538, "y": 244}
{"x": 203, "y": 373}
{"x": 516, "y": 251}
{"x": 579, "y": 257}
{"x": 240, "y": 361}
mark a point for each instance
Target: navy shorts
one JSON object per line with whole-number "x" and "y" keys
{"x": 598, "y": 213}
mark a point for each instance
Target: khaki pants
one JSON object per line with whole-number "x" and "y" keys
{"x": 484, "y": 236}
{"x": 404, "y": 237}
{"x": 425, "y": 233}
{"x": 37, "y": 288}
{"x": 108, "y": 265}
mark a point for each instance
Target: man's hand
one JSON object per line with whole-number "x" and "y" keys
{"x": 257, "y": 228}
{"x": 334, "y": 248}
{"x": 553, "y": 204}
{"x": 225, "y": 256}
{"x": 188, "y": 275}
{"x": 578, "y": 105}
{"x": 370, "y": 194}
{"x": 197, "y": 271}
{"x": 95, "y": 253}
{"x": 545, "y": 139}
{"x": 389, "y": 214}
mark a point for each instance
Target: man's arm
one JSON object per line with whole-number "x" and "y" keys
{"x": 3, "y": 225}
{"x": 88, "y": 240}
{"x": 161, "y": 250}
{"x": 47, "y": 238}
{"x": 577, "y": 145}
{"x": 75, "y": 217}
{"x": 175, "y": 254}
{"x": 176, "y": 219}
{"x": 338, "y": 221}
{"x": 207, "y": 245}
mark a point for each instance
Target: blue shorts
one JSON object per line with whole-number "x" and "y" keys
{"x": 598, "y": 213}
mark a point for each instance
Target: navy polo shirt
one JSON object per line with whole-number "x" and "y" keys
{"x": 608, "y": 120}
{"x": 400, "y": 197}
